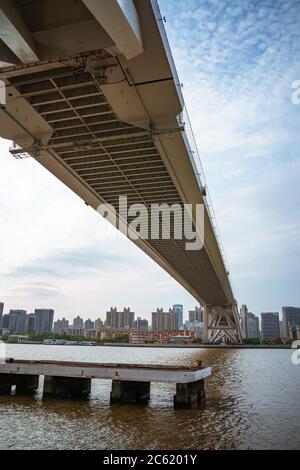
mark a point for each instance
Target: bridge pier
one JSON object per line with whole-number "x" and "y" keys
{"x": 25, "y": 384}
{"x": 190, "y": 395}
{"x": 66, "y": 387}
{"x": 129, "y": 392}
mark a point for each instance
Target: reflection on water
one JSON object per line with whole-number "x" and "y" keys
{"x": 252, "y": 402}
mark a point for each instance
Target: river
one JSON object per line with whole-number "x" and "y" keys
{"x": 253, "y": 402}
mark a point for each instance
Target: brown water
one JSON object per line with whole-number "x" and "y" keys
{"x": 253, "y": 402}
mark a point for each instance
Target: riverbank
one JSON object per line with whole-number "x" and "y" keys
{"x": 168, "y": 346}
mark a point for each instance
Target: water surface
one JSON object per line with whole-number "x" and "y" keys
{"x": 253, "y": 402}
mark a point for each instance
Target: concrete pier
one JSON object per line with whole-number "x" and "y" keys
{"x": 129, "y": 392}
{"x": 130, "y": 382}
{"x": 190, "y": 395}
{"x": 25, "y": 384}
{"x": 66, "y": 387}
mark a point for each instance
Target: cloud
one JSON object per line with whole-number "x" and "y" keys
{"x": 30, "y": 292}
{"x": 237, "y": 61}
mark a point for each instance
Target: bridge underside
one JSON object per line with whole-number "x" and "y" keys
{"x": 107, "y": 127}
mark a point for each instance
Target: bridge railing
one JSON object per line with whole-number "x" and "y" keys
{"x": 184, "y": 120}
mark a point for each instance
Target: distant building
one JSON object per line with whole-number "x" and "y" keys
{"x": 196, "y": 315}
{"x": 196, "y": 327}
{"x": 283, "y": 333}
{"x": 249, "y": 323}
{"x": 17, "y": 321}
{"x": 291, "y": 320}
{"x": 20, "y": 339}
{"x": 141, "y": 325}
{"x": 98, "y": 324}
{"x": 30, "y": 324}
{"x": 293, "y": 331}
{"x": 44, "y": 320}
{"x": 5, "y": 321}
{"x": 243, "y": 316}
{"x": 60, "y": 326}
{"x": 165, "y": 321}
{"x": 120, "y": 320}
{"x": 270, "y": 327}
{"x": 1, "y": 312}
{"x": 179, "y": 309}
{"x": 161, "y": 337}
{"x": 89, "y": 325}
{"x": 74, "y": 332}
{"x": 253, "y": 330}
{"x": 78, "y": 323}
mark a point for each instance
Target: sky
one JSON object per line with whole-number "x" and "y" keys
{"x": 237, "y": 60}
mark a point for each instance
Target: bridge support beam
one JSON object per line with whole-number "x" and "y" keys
{"x": 16, "y": 35}
{"x": 190, "y": 395}
{"x": 25, "y": 384}
{"x": 129, "y": 392}
{"x": 120, "y": 20}
{"x": 66, "y": 387}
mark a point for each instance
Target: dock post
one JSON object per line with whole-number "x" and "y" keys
{"x": 128, "y": 392}
{"x": 190, "y": 395}
{"x": 66, "y": 387}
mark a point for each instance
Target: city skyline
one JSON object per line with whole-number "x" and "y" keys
{"x": 71, "y": 315}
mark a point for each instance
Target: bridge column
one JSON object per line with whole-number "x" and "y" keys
{"x": 129, "y": 392}
{"x": 25, "y": 384}
{"x": 205, "y": 324}
{"x": 66, "y": 387}
{"x": 190, "y": 395}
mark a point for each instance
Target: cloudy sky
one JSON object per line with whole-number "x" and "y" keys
{"x": 237, "y": 60}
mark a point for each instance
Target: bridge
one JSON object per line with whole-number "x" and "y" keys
{"x": 93, "y": 95}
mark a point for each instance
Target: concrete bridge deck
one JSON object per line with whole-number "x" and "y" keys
{"x": 130, "y": 382}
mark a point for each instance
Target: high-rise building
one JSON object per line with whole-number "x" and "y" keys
{"x": 253, "y": 330}
{"x": 5, "y": 321}
{"x": 44, "y": 320}
{"x": 119, "y": 320}
{"x": 89, "y": 325}
{"x": 165, "y": 321}
{"x": 30, "y": 323}
{"x": 291, "y": 320}
{"x": 196, "y": 315}
{"x": 179, "y": 309}
{"x": 282, "y": 329}
{"x": 78, "y": 323}
{"x": 270, "y": 327}
{"x": 17, "y": 321}
{"x": 141, "y": 324}
{"x": 98, "y": 324}
{"x": 60, "y": 325}
{"x": 293, "y": 331}
{"x": 1, "y": 312}
{"x": 243, "y": 315}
